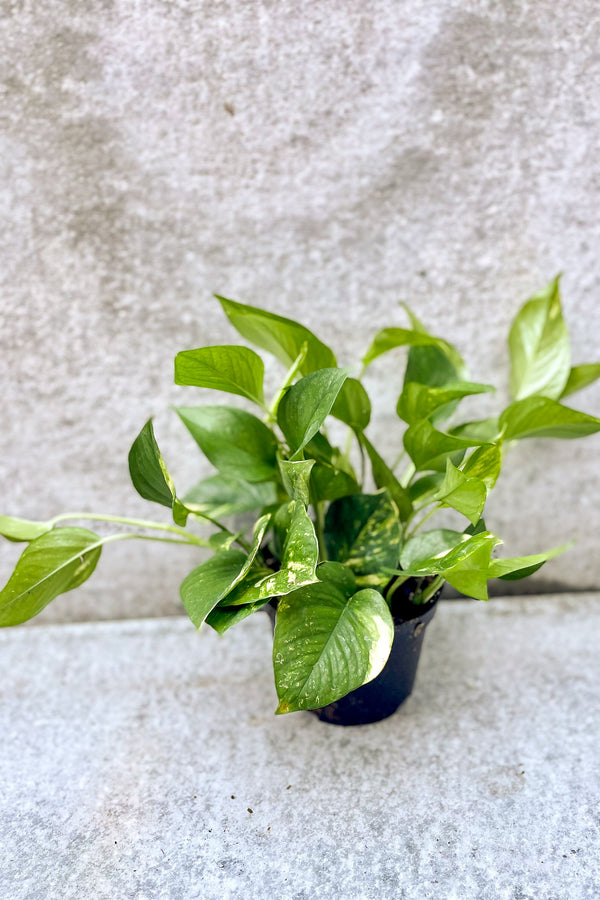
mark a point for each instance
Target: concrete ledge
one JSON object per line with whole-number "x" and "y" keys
{"x": 139, "y": 760}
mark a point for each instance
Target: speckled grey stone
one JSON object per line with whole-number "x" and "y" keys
{"x": 323, "y": 161}
{"x": 139, "y": 760}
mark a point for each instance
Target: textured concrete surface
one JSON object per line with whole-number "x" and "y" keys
{"x": 139, "y": 760}
{"x": 323, "y": 161}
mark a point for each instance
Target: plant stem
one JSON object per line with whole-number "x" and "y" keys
{"x": 319, "y": 508}
{"x": 433, "y": 509}
{"x": 430, "y": 590}
{"x": 290, "y": 375}
{"x": 406, "y": 476}
{"x": 395, "y": 585}
{"x": 398, "y": 460}
{"x": 140, "y": 523}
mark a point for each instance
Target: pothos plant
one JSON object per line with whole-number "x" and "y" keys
{"x": 338, "y": 531}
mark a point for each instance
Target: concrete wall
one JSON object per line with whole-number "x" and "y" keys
{"x": 323, "y": 160}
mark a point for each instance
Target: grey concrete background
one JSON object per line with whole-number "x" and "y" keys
{"x": 142, "y": 761}
{"x": 322, "y": 160}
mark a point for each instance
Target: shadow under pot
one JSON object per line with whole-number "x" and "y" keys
{"x": 381, "y": 697}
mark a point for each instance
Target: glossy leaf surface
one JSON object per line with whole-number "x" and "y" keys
{"x": 327, "y": 643}
{"x": 541, "y": 417}
{"x": 236, "y": 370}
{"x": 298, "y": 562}
{"x": 467, "y": 495}
{"x": 540, "y": 355}
{"x": 282, "y": 337}
{"x": 363, "y": 531}
{"x": 54, "y": 563}
{"x": 234, "y": 441}
{"x": 210, "y": 582}
{"x": 305, "y": 406}
{"x": 484, "y": 463}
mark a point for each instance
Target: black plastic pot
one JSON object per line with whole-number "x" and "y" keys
{"x": 381, "y": 697}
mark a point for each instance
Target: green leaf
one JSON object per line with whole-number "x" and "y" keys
{"x": 483, "y": 430}
{"x": 468, "y": 572}
{"x": 429, "y": 365}
{"x": 363, "y": 531}
{"x": 234, "y": 441}
{"x": 338, "y": 574}
{"x": 282, "y": 337}
{"x": 22, "y": 529}
{"x": 222, "y": 618}
{"x": 428, "y": 545}
{"x": 327, "y": 644}
{"x": 541, "y": 417}
{"x": 148, "y": 471}
{"x": 210, "y": 582}
{"x": 580, "y": 377}
{"x": 295, "y": 476}
{"x": 420, "y": 401}
{"x": 352, "y": 405}
{"x": 225, "y": 495}
{"x": 466, "y": 495}
{"x": 54, "y": 563}
{"x": 390, "y": 338}
{"x": 465, "y": 566}
{"x": 298, "y": 562}
{"x": 331, "y": 483}
{"x": 521, "y": 566}
{"x": 429, "y": 448}
{"x": 539, "y": 347}
{"x": 305, "y": 406}
{"x": 234, "y": 369}
{"x": 385, "y": 478}
{"x": 484, "y": 463}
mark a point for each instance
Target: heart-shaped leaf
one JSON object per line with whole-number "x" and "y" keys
{"x": 234, "y": 369}
{"x": 466, "y": 495}
{"x": 305, "y": 406}
{"x": 542, "y": 417}
{"x": 363, "y": 531}
{"x": 54, "y": 563}
{"x": 282, "y": 337}
{"x": 234, "y": 441}
{"x": 540, "y": 352}
{"x": 327, "y": 644}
